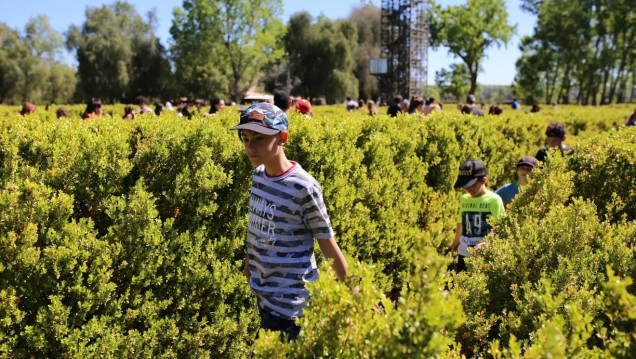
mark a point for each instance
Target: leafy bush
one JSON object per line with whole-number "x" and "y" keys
{"x": 126, "y": 238}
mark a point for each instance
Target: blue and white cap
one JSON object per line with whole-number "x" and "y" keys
{"x": 263, "y": 118}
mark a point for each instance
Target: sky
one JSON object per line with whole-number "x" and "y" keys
{"x": 498, "y": 67}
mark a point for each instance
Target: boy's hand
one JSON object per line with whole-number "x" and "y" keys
{"x": 454, "y": 246}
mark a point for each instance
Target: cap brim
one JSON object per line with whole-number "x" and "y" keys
{"x": 524, "y": 164}
{"x": 465, "y": 182}
{"x": 252, "y": 126}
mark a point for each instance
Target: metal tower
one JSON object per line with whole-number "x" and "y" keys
{"x": 404, "y": 36}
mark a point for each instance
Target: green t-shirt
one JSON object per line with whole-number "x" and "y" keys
{"x": 473, "y": 215}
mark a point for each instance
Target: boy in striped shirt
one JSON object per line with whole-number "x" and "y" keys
{"x": 287, "y": 214}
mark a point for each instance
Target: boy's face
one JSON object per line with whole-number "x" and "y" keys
{"x": 260, "y": 148}
{"x": 220, "y": 106}
{"x": 523, "y": 173}
{"x": 554, "y": 142}
{"x": 477, "y": 189}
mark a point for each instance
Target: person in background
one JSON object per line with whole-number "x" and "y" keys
{"x": 515, "y": 104}
{"x": 523, "y": 171}
{"x": 395, "y": 108}
{"x": 471, "y": 102}
{"x": 129, "y": 113}
{"x": 142, "y": 102}
{"x": 27, "y": 108}
{"x": 535, "y": 108}
{"x": 466, "y": 110}
{"x": 93, "y": 109}
{"x": 304, "y": 106}
{"x": 405, "y": 105}
{"x": 351, "y": 104}
{"x": 159, "y": 108}
{"x": 416, "y": 106}
{"x": 216, "y": 105}
{"x": 371, "y": 108}
{"x": 631, "y": 121}
{"x": 283, "y": 101}
{"x": 555, "y": 134}
{"x": 61, "y": 112}
{"x": 495, "y": 110}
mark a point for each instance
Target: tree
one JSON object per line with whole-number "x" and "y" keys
{"x": 30, "y": 65}
{"x": 117, "y": 53}
{"x": 222, "y": 46}
{"x": 12, "y": 51}
{"x": 454, "y": 83}
{"x": 469, "y": 30}
{"x": 367, "y": 20}
{"x": 321, "y": 57}
{"x": 590, "y": 48}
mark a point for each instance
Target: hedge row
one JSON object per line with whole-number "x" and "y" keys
{"x": 125, "y": 239}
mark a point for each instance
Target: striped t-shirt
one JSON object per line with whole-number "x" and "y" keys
{"x": 286, "y": 214}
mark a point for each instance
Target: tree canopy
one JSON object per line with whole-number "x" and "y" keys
{"x": 321, "y": 56}
{"x": 468, "y": 30}
{"x": 221, "y": 47}
{"x": 118, "y": 55}
{"x": 31, "y": 68}
{"x": 579, "y": 49}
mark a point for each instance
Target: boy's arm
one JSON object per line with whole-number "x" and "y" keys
{"x": 246, "y": 269}
{"x": 458, "y": 233}
{"x": 330, "y": 250}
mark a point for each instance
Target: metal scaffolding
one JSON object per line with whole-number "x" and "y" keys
{"x": 404, "y": 36}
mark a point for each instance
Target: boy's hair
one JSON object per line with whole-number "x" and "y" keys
{"x": 555, "y": 129}
{"x": 281, "y": 99}
{"x": 141, "y": 100}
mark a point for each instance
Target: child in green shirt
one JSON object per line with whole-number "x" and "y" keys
{"x": 476, "y": 206}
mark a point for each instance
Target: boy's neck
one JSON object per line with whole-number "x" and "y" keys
{"x": 481, "y": 192}
{"x": 278, "y": 166}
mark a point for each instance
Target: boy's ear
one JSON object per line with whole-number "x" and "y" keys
{"x": 283, "y": 137}
{"x": 484, "y": 180}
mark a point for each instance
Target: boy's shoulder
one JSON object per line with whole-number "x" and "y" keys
{"x": 512, "y": 186}
{"x": 295, "y": 177}
{"x": 486, "y": 197}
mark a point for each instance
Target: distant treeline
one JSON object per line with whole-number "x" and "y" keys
{"x": 217, "y": 50}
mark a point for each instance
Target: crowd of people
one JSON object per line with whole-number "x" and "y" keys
{"x": 478, "y": 205}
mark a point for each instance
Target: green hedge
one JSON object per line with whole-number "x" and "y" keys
{"x": 126, "y": 238}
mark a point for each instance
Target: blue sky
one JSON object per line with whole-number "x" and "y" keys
{"x": 498, "y": 68}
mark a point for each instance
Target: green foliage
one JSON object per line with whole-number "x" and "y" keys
{"x": 579, "y": 50}
{"x": 605, "y": 173}
{"x": 322, "y": 57}
{"x": 30, "y": 65}
{"x": 340, "y": 323}
{"x": 221, "y": 47}
{"x": 453, "y": 83}
{"x": 126, "y": 238}
{"x": 118, "y": 55}
{"x": 469, "y": 29}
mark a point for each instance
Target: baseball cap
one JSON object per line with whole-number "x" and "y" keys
{"x": 303, "y": 106}
{"x": 471, "y": 99}
{"x": 263, "y": 118}
{"x": 469, "y": 172}
{"x": 528, "y": 161}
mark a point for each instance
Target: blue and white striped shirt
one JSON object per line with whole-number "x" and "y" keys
{"x": 286, "y": 214}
